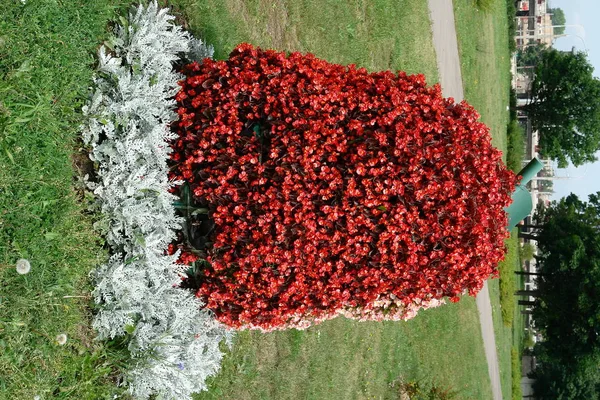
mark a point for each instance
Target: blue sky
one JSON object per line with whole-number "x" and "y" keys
{"x": 586, "y": 179}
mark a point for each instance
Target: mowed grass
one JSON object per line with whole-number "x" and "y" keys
{"x": 508, "y": 282}
{"x": 518, "y": 339}
{"x": 515, "y": 357}
{"x": 485, "y": 63}
{"x": 47, "y": 52}
{"x": 518, "y": 342}
{"x": 505, "y": 312}
{"x": 378, "y": 35}
{"x": 343, "y": 359}
{"x": 504, "y": 303}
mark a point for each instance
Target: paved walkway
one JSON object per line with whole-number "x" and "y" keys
{"x": 446, "y": 48}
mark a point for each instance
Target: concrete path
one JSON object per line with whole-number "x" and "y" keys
{"x": 446, "y": 48}
{"x": 448, "y": 61}
{"x": 484, "y": 307}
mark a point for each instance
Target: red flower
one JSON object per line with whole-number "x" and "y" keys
{"x": 335, "y": 190}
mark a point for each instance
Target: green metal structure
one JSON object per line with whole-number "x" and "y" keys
{"x": 522, "y": 205}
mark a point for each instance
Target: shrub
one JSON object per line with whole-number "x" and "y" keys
{"x": 515, "y": 360}
{"x": 507, "y": 280}
{"x": 420, "y": 390}
{"x": 512, "y": 101}
{"x": 334, "y": 190}
{"x": 174, "y": 343}
{"x": 515, "y": 152}
{"x": 527, "y": 252}
{"x": 528, "y": 341}
{"x": 511, "y": 12}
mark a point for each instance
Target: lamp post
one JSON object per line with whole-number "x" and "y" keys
{"x": 569, "y": 26}
{"x": 572, "y": 34}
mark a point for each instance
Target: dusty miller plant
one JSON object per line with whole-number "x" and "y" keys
{"x": 173, "y": 342}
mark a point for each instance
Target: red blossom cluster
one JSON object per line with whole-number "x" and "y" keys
{"x": 334, "y": 190}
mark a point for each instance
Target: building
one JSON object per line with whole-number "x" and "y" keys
{"x": 534, "y": 23}
{"x": 522, "y": 80}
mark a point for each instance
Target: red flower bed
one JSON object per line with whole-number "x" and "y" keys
{"x": 334, "y": 190}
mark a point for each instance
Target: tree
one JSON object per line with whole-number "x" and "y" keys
{"x": 530, "y": 55}
{"x": 567, "y": 307}
{"x": 558, "y": 381}
{"x": 565, "y": 107}
{"x": 543, "y": 184}
{"x": 527, "y": 252}
{"x": 546, "y": 186}
{"x": 558, "y": 18}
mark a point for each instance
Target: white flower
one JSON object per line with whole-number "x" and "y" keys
{"x": 36, "y": 397}
{"x": 61, "y": 339}
{"x": 127, "y": 127}
{"x": 23, "y": 266}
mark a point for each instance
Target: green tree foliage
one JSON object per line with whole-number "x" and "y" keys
{"x": 515, "y": 152}
{"x": 558, "y": 18}
{"x": 567, "y": 309}
{"x": 546, "y": 186}
{"x": 565, "y": 107}
{"x": 526, "y": 252}
{"x": 555, "y": 381}
{"x": 530, "y": 55}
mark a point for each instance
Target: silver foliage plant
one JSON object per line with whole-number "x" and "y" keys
{"x": 173, "y": 342}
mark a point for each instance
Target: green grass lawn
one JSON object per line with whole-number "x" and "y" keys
{"x": 504, "y": 332}
{"x": 343, "y": 359}
{"x": 508, "y": 282}
{"x": 47, "y": 50}
{"x": 509, "y": 334}
{"x": 377, "y": 35}
{"x": 519, "y": 319}
{"x": 515, "y": 358}
{"x": 485, "y": 63}
{"x": 518, "y": 335}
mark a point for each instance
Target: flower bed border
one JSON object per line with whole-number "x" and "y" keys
{"x": 174, "y": 343}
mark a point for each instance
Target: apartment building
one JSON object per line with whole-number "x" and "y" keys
{"x": 534, "y": 23}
